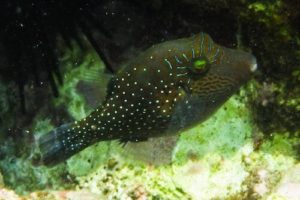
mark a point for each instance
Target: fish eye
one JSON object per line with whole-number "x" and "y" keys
{"x": 200, "y": 64}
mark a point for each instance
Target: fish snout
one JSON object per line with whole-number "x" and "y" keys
{"x": 253, "y": 64}
{"x": 244, "y": 65}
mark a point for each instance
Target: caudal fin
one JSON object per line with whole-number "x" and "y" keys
{"x": 58, "y": 145}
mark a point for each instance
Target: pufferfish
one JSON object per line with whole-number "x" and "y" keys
{"x": 170, "y": 87}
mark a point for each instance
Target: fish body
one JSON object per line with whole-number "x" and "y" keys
{"x": 170, "y": 87}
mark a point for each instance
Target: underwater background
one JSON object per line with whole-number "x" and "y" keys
{"x": 57, "y": 57}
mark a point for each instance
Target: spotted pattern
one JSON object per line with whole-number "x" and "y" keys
{"x": 144, "y": 96}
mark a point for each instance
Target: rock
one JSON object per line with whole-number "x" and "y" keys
{"x": 289, "y": 191}
{"x": 6, "y": 194}
{"x": 78, "y": 195}
{"x": 62, "y": 195}
{"x": 290, "y": 184}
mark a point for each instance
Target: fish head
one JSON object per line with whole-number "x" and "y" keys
{"x": 215, "y": 75}
{"x": 219, "y": 71}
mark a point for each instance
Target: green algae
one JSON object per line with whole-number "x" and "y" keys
{"x": 22, "y": 176}
{"x": 89, "y": 159}
{"x": 269, "y": 13}
{"x": 213, "y": 155}
{"x": 231, "y": 129}
{"x": 218, "y": 161}
{"x": 127, "y": 179}
{"x": 20, "y": 173}
{"x": 217, "y": 156}
{"x": 272, "y": 35}
{"x": 89, "y": 68}
{"x": 91, "y": 166}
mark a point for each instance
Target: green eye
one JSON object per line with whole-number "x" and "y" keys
{"x": 200, "y": 64}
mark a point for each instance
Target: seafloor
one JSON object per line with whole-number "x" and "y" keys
{"x": 249, "y": 149}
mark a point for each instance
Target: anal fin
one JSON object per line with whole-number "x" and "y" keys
{"x": 155, "y": 151}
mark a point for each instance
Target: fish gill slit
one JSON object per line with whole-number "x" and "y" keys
{"x": 169, "y": 63}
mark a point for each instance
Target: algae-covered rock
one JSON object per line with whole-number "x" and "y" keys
{"x": 269, "y": 29}
{"x": 6, "y": 194}
{"x": 290, "y": 184}
{"x": 208, "y": 163}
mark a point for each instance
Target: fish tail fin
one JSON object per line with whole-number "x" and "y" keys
{"x": 58, "y": 145}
